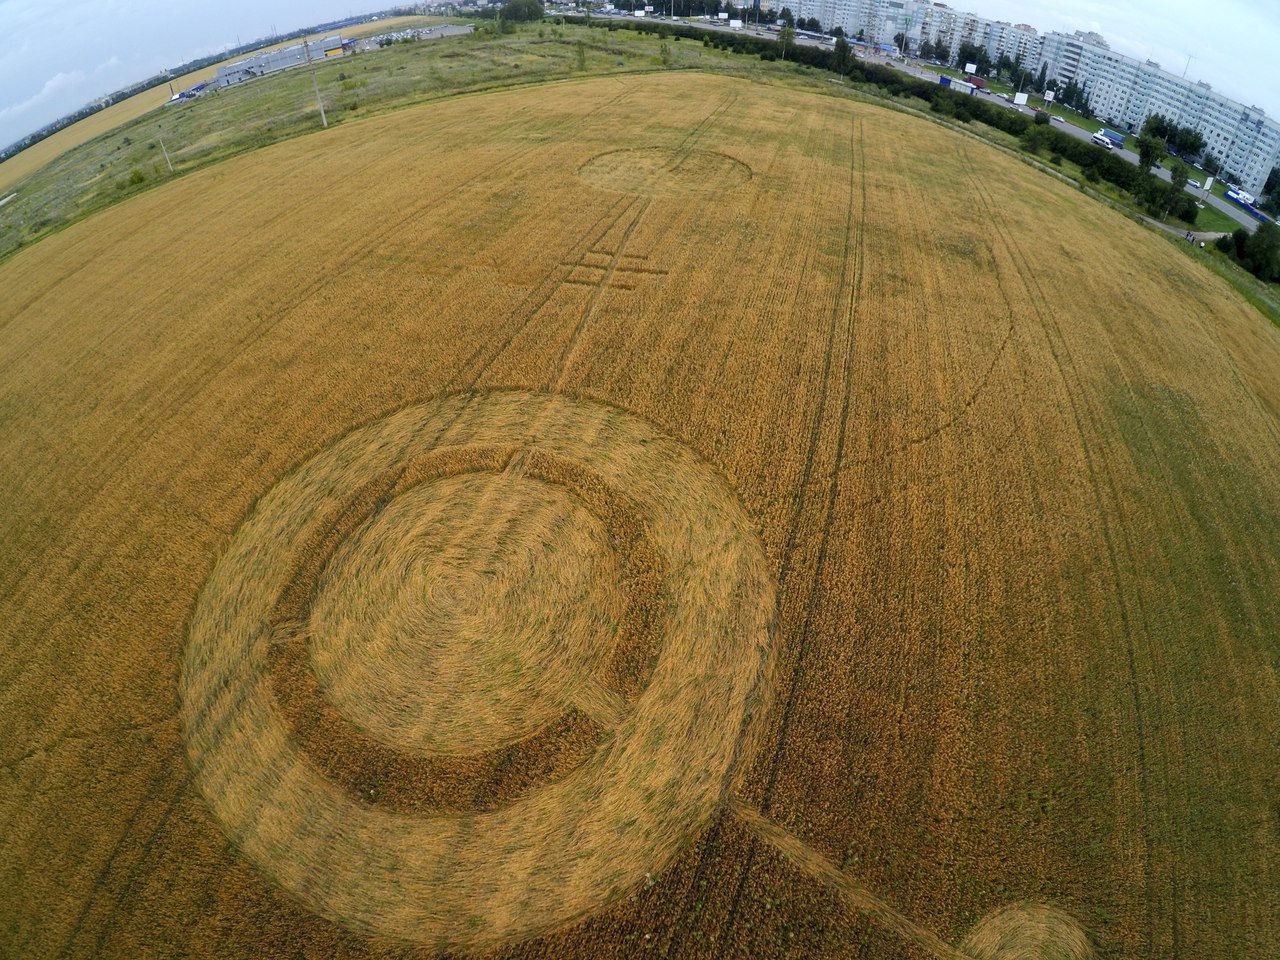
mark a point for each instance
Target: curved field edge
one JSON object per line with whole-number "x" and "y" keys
{"x": 1010, "y": 457}
{"x": 67, "y": 189}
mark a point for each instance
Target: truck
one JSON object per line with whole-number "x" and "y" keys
{"x": 1245, "y": 201}
{"x": 1117, "y": 139}
{"x": 976, "y": 80}
{"x": 959, "y": 86}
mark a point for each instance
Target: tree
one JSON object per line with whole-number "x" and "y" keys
{"x": 1273, "y": 181}
{"x": 786, "y": 39}
{"x": 1004, "y": 65}
{"x": 521, "y": 10}
{"x": 1150, "y": 150}
{"x": 1211, "y": 165}
{"x": 838, "y": 31}
{"x": 1179, "y": 173}
{"x": 1262, "y": 253}
{"x": 841, "y": 57}
{"x": 942, "y": 51}
{"x": 972, "y": 53}
{"x": 788, "y": 18}
{"x": 862, "y": 36}
{"x": 1156, "y": 126}
{"x": 813, "y": 24}
{"x": 1188, "y": 142}
{"x": 899, "y": 39}
{"x": 1042, "y": 80}
{"x": 926, "y": 50}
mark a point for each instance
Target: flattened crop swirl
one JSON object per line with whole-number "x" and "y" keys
{"x": 450, "y": 589}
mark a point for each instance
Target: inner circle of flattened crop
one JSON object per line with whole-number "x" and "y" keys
{"x": 662, "y": 170}
{"x": 473, "y": 671}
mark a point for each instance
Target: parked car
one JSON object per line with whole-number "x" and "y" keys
{"x": 1056, "y": 119}
{"x": 1193, "y": 184}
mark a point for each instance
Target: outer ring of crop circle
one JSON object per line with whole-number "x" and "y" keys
{"x": 470, "y": 881}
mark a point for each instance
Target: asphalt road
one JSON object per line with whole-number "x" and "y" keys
{"x": 923, "y": 73}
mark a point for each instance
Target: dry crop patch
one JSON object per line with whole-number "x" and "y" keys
{"x": 541, "y": 525}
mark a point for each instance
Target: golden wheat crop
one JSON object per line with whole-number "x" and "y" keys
{"x": 650, "y": 516}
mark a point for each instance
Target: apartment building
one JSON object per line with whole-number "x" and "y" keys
{"x": 1123, "y": 91}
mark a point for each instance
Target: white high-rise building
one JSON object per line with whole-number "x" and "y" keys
{"x": 1124, "y": 91}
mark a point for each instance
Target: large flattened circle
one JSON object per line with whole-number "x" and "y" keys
{"x": 466, "y": 614}
{"x": 463, "y": 881}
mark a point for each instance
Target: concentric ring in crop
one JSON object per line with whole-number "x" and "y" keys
{"x": 474, "y": 496}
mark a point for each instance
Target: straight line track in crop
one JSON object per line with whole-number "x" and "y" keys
{"x": 843, "y": 313}
{"x": 854, "y": 894}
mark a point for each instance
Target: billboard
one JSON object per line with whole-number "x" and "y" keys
{"x": 1020, "y": 99}
{"x": 971, "y": 68}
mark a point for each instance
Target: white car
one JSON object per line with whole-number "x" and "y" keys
{"x": 1193, "y": 184}
{"x": 1100, "y": 140}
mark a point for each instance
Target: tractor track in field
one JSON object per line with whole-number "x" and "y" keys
{"x": 1056, "y": 344}
{"x": 845, "y": 308}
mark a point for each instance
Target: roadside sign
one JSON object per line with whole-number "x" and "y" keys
{"x": 1049, "y": 96}
{"x": 971, "y": 68}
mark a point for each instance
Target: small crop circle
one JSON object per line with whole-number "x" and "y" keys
{"x": 474, "y": 670}
{"x": 1028, "y": 931}
{"x": 662, "y": 170}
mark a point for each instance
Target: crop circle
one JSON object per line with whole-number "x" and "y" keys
{"x": 664, "y": 170}
{"x": 1028, "y": 931}
{"x": 460, "y": 586}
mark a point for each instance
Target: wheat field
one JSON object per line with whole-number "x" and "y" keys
{"x": 667, "y": 516}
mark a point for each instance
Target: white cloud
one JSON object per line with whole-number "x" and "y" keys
{"x": 60, "y": 83}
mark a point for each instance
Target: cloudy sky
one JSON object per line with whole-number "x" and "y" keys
{"x": 60, "y": 54}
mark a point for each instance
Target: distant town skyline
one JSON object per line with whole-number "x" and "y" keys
{"x": 63, "y": 54}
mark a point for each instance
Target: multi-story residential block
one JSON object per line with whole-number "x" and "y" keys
{"x": 1123, "y": 91}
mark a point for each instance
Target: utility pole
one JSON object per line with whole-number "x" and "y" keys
{"x": 315, "y": 83}
{"x": 1188, "y": 66}
{"x": 166, "y": 155}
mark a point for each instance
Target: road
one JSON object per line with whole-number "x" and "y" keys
{"x": 923, "y": 73}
